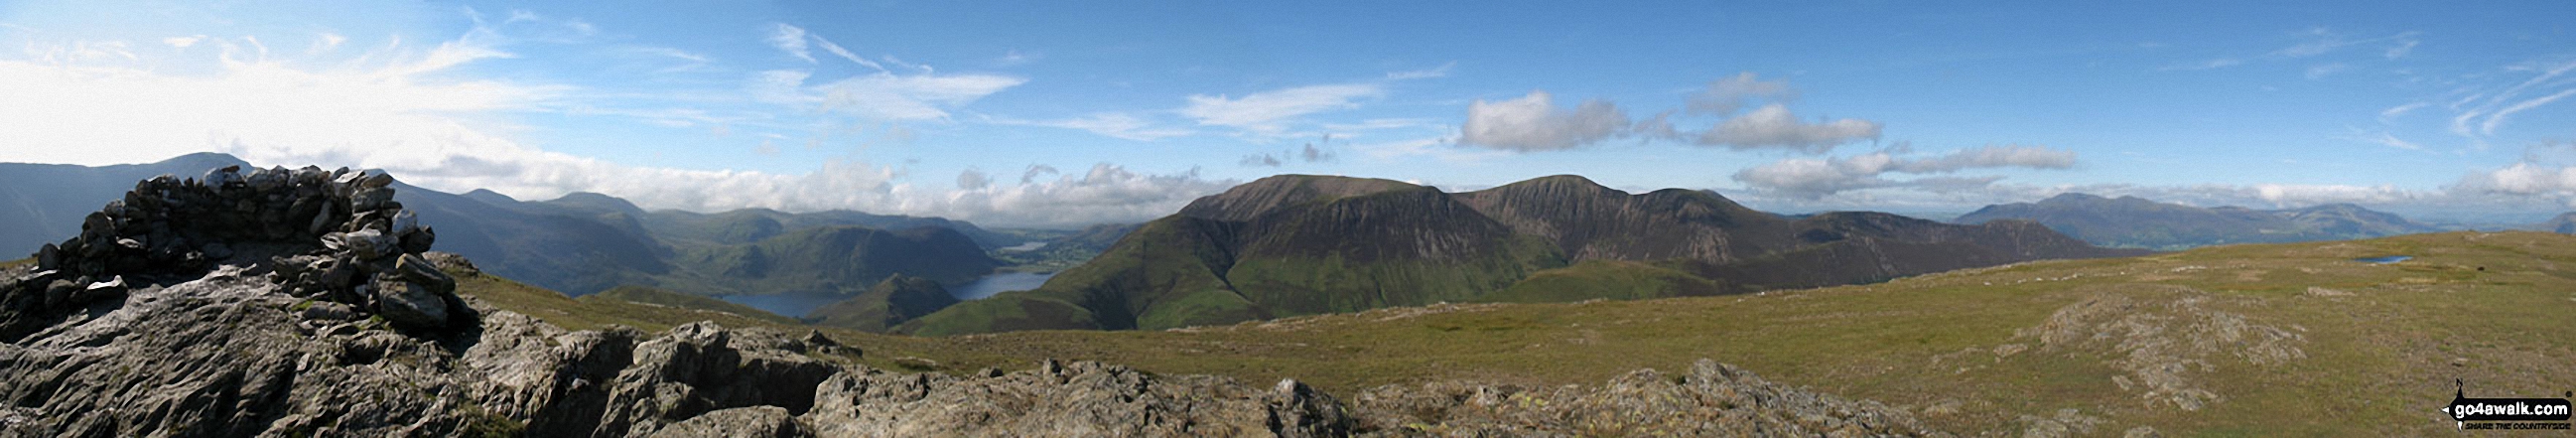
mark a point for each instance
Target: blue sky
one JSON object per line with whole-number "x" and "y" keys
{"x": 1069, "y": 113}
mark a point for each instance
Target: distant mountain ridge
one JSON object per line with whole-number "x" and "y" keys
{"x": 579, "y": 243}
{"x": 1303, "y": 244}
{"x": 2134, "y": 222}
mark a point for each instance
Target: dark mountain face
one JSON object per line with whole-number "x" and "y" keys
{"x": 839, "y": 259}
{"x": 2140, "y": 223}
{"x": 752, "y": 224}
{"x": 570, "y": 252}
{"x": 1296, "y": 244}
{"x": 1591, "y": 222}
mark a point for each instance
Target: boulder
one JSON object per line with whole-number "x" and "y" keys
{"x": 409, "y": 304}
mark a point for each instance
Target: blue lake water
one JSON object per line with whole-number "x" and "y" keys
{"x": 2384, "y": 260}
{"x": 796, "y": 305}
{"x": 999, "y": 283}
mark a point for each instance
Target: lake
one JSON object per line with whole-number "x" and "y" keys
{"x": 2384, "y": 260}
{"x": 999, "y": 283}
{"x": 796, "y": 305}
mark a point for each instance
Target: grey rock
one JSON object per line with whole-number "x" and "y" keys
{"x": 1714, "y": 399}
{"x": 409, "y": 304}
{"x": 749, "y": 422}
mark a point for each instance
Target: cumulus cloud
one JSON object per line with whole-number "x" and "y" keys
{"x": 1268, "y": 112}
{"x": 1773, "y": 126}
{"x": 1106, "y": 194}
{"x": 1810, "y": 178}
{"x": 1534, "y": 123}
{"x": 1725, "y": 96}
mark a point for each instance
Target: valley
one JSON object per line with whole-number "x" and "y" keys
{"x": 2281, "y": 339}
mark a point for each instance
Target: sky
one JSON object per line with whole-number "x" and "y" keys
{"x": 1065, "y": 114}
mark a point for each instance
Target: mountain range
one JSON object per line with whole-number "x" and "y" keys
{"x": 582, "y": 243}
{"x": 1302, "y": 244}
{"x": 2132, "y": 222}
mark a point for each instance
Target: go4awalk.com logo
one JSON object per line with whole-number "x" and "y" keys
{"x": 2506, "y": 413}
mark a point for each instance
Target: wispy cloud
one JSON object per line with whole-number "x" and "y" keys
{"x": 1435, "y": 72}
{"x": 2311, "y": 43}
{"x": 790, "y": 39}
{"x": 1111, "y": 124}
{"x": 1269, "y": 112}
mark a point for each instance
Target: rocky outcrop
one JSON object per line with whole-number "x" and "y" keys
{"x": 327, "y": 236}
{"x": 1076, "y": 399}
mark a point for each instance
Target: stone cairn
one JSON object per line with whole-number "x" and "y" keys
{"x": 334, "y": 236}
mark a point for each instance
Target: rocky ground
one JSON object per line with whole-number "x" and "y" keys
{"x": 185, "y": 310}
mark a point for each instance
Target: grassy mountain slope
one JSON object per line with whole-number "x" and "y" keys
{"x": 897, "y": 299}
{"x": 665, "y": 297}
{"x": 2257, "y": 340}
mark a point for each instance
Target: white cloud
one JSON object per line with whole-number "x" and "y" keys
{"x": 2320, "y": 71}
{"x": 1811, "y": 179}
{"x": 2525, "y": 178}
{"x": 1534, "y": 123}
{"x": 2205, "y": 65}
{"x": 2394, "y": 142}
{"x": 844, "y": 53}
{"x": 183, "y": 42}
{"x": 881, "y": 96}
{"x": 2497, "y": 120}
{"x": 1268, "y": 112}
{"x": 1725, "y": 96}
{"x": 1106, "y": 194}
{"x": 417, "y": 113}
{"x": 1435, "y": 72}
{"x": 2400, "y": 110}
{"x": 1772, "y": 126}
{"x": 1116, "y": 125}
{"x": 790, "y": 39}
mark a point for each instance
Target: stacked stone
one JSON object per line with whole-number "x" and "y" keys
{"x": 334, "y": 235}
